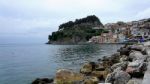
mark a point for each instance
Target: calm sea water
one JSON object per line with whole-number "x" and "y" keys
{"x": 22, "y": 63}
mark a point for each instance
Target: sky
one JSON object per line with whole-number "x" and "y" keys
{"x": 34, "y": 20}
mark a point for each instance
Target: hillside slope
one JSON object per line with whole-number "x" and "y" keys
{"x": 78, "y": 31}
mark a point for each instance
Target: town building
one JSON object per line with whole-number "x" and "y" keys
{"x": 121, "y": 32}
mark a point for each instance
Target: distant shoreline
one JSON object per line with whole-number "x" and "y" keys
{"x": 85, "y": 43}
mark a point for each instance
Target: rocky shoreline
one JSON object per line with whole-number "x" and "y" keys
{"x": 127, "y": 66}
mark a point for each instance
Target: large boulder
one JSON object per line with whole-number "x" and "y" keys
{"x": 105, "y": 58}
{"x": 64, "y": 76}
{"x": 137, "y": 68}
{"x": 115, "y": 58}
{"x": 100, "y": 74}
{"x": 134, "y": 73}
{"x": 136, "y": 55}
{"x": 91, "y": 80}
{"x": 131, "y": 82}
{"x": 124, "y": 51}
{"x": 107, "y": 64}
{"x": 99, "y": 67}
{"x": 147, "y": 50}
{"x": 107, "y": 61}
{"x": 135, "y": 63}
{"x": 86, "y": 68}
{"x": 147, "y": 44}
{"x": 122, "y": 65}
{"x": 135, "y": 81}
{"x": 110, "y": 78}
{"x": 124, "y": 58}
{"x": 120, "y": 77}
{"x": 138, "y": 64}
{"x": 137, "y": 47}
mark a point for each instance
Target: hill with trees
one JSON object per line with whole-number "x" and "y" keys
{"x": 78, "y": 31}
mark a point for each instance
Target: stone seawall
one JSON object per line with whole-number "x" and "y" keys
{"x": 129, "y": 65}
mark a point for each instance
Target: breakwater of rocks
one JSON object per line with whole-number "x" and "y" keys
{"x": 127, "y": 66}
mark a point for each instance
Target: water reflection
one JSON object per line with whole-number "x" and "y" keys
{"x": 25, "y": 63}
{"x": 72, "y": 56}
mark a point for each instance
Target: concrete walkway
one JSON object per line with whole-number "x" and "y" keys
{"x": 146, "y": 79}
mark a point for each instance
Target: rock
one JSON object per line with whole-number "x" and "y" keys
{"x": 99, "y": 60}
{"x": 137, "y": 47}
{"x": 100, "y": 74}
{"x": 144, "y": 52}
{"x": 135, "y": 55}
{"x": 91, "y": 80}
{"x": 115, "y": 55}
{"x": 88, "y": 81}
{"x": 135, "y": 81}
{"x": 124, "y": 51}
{"x": 130, "y": 70}
{"x": 109, "y": 61}
{"x": 123, "y": 58}
{"x": 122, "y": 65}
{"x": 107, "y": 64}
{"x": 137, "y": 68}
{"x": 120, "y": 77}
{"x": 137, "y": 74}
{"x": 134, "y": 73}
{"x": 110, "y": 78}
{"x": 132, "y": 82}
{"x": 115, "y": 58}
{"x": 147, "y": 44}
{"x": 117, "y": 69}
{"x": 43, "y": 81}
{"x": 64, "y": 76}
{"x": 99, "y": 67}
{"x": 135, "y": 63}
{"x": 139, "y": 65}
{"x": 143, "y": 67}
{"x": 147, "y": 50}
{"x": 86, "y": 69}
{"x": 105, "y": 58}
{"x": 93, "y": 65}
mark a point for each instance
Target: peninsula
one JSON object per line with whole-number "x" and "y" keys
{"x": 78, "y": 31}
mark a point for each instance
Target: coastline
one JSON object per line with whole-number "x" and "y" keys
{"x": 127, "y": 66}
{"x": 84, "y": 43}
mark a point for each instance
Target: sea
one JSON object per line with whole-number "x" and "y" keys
{"x": 23, "y": 63}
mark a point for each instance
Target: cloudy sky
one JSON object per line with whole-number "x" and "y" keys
{"x": 35, "y": 19}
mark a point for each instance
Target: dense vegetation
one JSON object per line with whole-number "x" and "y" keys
{"x": 81, "y": 30}
{"x": 88, "y": 19}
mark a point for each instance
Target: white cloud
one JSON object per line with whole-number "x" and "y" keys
{"x": 143, "y": 14}
{"x": 30, "y": 16}
{"x": 20, "y": 25}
